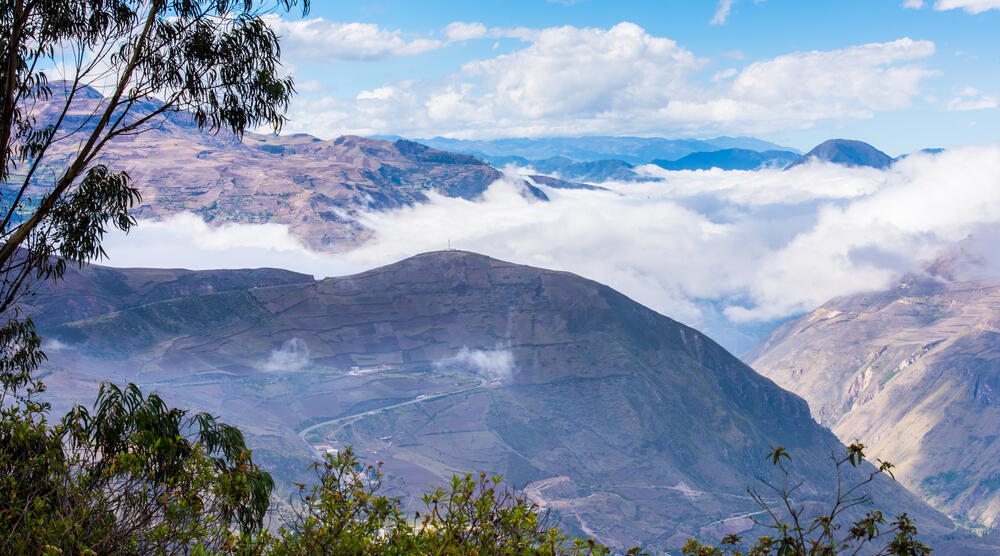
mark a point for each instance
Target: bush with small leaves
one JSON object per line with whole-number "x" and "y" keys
{"x": 343, "y": 513}
{"x": 829, "y": 532}
{"x": 136, "y": 477}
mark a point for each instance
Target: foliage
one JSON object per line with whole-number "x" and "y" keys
{"x": 343, "y": 513}
{"x": 796, "y": 534}
{"x": 135, "y": 477}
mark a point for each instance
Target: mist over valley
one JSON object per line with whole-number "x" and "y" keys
{"x": 566, "y": 277}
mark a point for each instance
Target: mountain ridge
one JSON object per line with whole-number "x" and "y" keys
{"x": 730, "y": 159}
{"x": 846, "y": 152}
{"x": 451, "y": 361}
{"x": 634, "y": 150}
{"x": 911, "y": 369}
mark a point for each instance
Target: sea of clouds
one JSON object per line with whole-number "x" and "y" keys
{"x": 730, "y": 252}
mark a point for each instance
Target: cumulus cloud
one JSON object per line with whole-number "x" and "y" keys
{"x": 913, "y": 4}
{"x": 711, "y": 248}
{"x": 321, "y": 40}
{"x": 844, "y": 82}
{"x": 293, "y": 355}
{"x": 577, "y": 81}
{"x": 567, "y": 70}
{"x": 971, "y": 98}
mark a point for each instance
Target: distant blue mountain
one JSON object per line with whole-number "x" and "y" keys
{"x": 750, "y": 144}
{"x": 594, "y": 171}
{"x": 731, "y": 159}
{"x": 634, "y": 150}
{"x": 921, "y": 151}
{"x": 847, "y": 153}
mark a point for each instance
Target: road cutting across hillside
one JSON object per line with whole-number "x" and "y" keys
{"x": 349, "y": 419}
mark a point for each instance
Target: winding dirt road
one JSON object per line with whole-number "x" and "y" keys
{"x": 349, "y": 419}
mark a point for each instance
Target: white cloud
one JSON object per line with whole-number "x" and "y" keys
{"x": 724, "y": 74}
{"x": 722, "y": 12}
{"x": 927, "y": 205}
{"x": 723, "y": 9}
{"x": 184, "y": 240}
{"x": 293, "y": 355}
{"x": 622, "y": 80}
{"x": 310, "y": 86}
{"x": 971, "y": 98}
{"x": 838, "y": 83}
{"x": 496, "y": 365}
{"x": 459, "y": 31}
{"x": 321, "y": 40}
{"x": 567, "y": 70}
{"x": 970, "y": 6}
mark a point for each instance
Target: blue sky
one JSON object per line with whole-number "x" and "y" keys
{"x": 792, "y": 71}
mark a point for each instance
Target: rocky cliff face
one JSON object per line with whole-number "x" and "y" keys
{"x": 627, "y": 424}
{"x": 914, "y": 372}
{"x": 313, "y": 186}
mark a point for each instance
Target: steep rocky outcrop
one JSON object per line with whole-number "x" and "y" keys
{"x": 913, "y": 371}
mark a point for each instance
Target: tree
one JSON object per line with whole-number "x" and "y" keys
{"x": 216, "y": 60}
{"x": 798, "y": 534}
{"x": 136, "y": 477}
{"x": 137, "y": 474}
{"x": 344, "y": 513}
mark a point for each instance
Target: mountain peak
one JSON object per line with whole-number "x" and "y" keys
{"x": 846, "y": 152}
{"x": 450, "y": 256}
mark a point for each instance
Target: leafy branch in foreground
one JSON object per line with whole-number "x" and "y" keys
{"x": 217, "y": 61}
{"x": 135, "y": 477}
{"x": 830, "y": 532}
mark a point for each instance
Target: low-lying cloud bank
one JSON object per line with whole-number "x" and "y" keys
{"x": 710, "y": 248}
